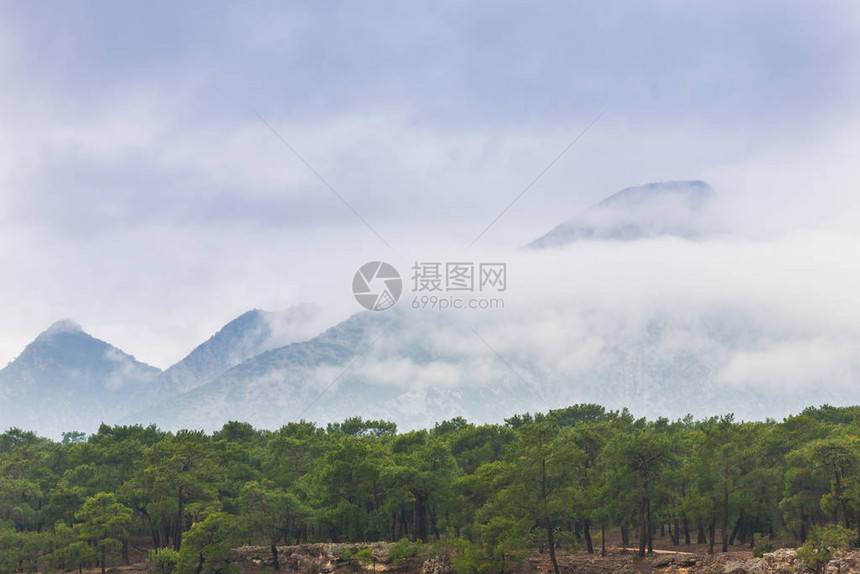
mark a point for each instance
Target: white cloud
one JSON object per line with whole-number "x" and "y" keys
{"x": 153, "y": 206}
{"x": 801, "y": 364}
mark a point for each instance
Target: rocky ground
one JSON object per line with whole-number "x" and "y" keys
{"x": 340, "y": 558}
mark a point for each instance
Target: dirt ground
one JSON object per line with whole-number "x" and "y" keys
{"x": 667, "y": 558}
{"x": 327, "y": 558}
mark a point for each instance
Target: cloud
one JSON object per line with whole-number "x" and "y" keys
{"x": 141, "y": 195}
{"x": 124, "y": 371}
{"x": 796, "y": 365}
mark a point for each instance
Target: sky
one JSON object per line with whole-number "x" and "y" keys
{"x": 165, "y": 167}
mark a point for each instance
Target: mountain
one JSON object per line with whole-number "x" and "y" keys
{"x": 669, "y": 208}
{"x": 246, "y": 336}
{"x": 377, "y": 365}
{"x": 68, "y": 380}
{"x": 417, "y": 368}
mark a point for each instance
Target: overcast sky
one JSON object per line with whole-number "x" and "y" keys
{"x": 142, "y": 194}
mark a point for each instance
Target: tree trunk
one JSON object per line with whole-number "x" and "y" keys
{"x": 736, "y": 530}
{"x": 700, "y": 539}
{"x": 686, "y": 524}
{"x": 841, "y": 500}
{"x": 675, "y": 534}
{"x": 104, "y": 553}
{"x": 725, "y": 525}
{"x": 625, "y": 536}
{"x": 419, "y": 529}
{"x": 643, "y": 528}
{"x": 602, "y": 540}
{"x": 550, "y": 540}
{"x": 650, "y": 528}
{"x": 586, "y": 530}
{"x": 177, "y": 535}
{"x": 755, "y": 527}
{"x": 550, "y": 536}
{"x": 125, "y": 561}
{"x": 276, "y": 564}
{"x": 711, "y": 534}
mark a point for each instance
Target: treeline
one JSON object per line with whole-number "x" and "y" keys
{"x": 492, "y": 492}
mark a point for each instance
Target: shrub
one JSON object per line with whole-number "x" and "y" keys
{"x": 468, "y": 558}
{"x": 348, "y": 557}
{"x": 763, "y": 545}
{"x": 822, "y": 544}
{"x": 402, "y": 551}
{"x": 164, "y": 560}
{"x": 366, "y": 557}
{"x": 74, "y": 556}
{"x": 206, "y": 547}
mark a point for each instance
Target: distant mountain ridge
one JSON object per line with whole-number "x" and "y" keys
{"x": 68, "y": 380}
{"x": 278, "y": 372}
{"x": 65, "y": 376}
{"x": 249, "y": 335}
{"x": 669, "y": 208}
{"x": 409, "y": 367}
{"x": 324, "y": 379}
{"x": 416, "y": 368}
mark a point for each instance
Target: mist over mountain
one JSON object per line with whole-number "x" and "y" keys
{"x": 416, "y": 369}
{"x": 246, "y": 336}
{"x": 377, "y": 365}
{"x": 68, "y": 380}
{"x": 669, "y": 208}
{"x": 649, "y": 320}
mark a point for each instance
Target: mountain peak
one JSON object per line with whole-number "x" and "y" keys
{"x": 666, "y": 208}
{"x": 248, "y": 335}
{"x": 695, "y": 191}
{"x": 67, "y": 379}
{"x": 62, "y": 326}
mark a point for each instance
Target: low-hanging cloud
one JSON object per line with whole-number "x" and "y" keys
{"x": 154, "y": 206}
